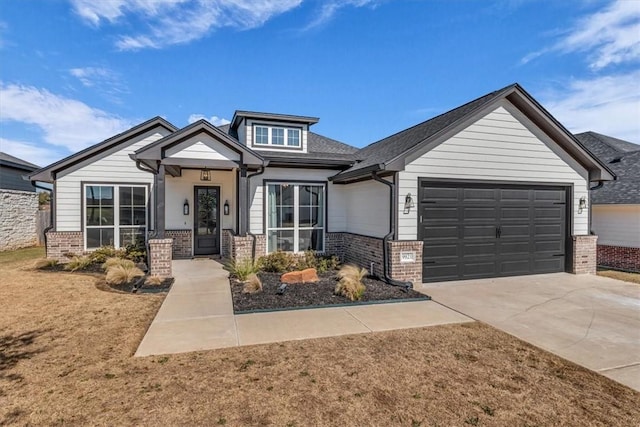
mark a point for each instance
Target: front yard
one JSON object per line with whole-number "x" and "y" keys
{"x": 66, "y": 358}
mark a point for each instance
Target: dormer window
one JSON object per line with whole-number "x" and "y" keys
{"x": 281, "y": 137}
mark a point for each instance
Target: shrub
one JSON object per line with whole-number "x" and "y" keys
{"x": 45, "y": 263}
{"x": 103, "y": 253}
{"x": 153, "y": 281}
{"x": 279, "y": 262}
{"x": 308, "y": 260}
{"x": 327, "y": 262}
{"x": 242, "y": 269}
{"x": 136, "y": 252}
{"x": 350, "y": 284}
{"x": 252, "y": 284}
{"x": 112, "y": 262}
{"x": 78, "y": 263}
{"x": 123, "y": 273}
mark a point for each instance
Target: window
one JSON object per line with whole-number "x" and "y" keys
{"x": 295, "y": 217}
{"x": 115, "y": 215}
{"x": 277, "y": 136}
{"x": 262, "y": 135}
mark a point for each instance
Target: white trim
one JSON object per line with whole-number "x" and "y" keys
{"x": 285, "y": 136}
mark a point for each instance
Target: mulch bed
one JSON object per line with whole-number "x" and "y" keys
{"x": 307, "y": 295}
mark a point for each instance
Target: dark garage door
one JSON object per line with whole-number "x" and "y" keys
{"x": 488, "y": 230}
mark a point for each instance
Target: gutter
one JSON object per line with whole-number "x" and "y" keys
{"x": 392, "y": 223}
{"x": 253, "y": 243}
{"x": 51, "y": 208}
{"x": 599, "y": 185}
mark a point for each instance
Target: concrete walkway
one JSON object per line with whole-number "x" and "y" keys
{"x": 197, "y": 314}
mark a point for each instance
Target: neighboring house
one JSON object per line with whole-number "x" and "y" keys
{"x": 18, "y": 204}
{"x": 491, "y": 188}
{"x": 14, "y": 173}
{"x": 616, "y": 205}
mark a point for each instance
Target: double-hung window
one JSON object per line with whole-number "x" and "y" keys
{"x": 295, "y": 217}
{"x": 115, "y": 214}
{"x": 276, "y": 136}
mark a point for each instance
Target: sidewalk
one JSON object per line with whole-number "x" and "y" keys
{"x": 197, "y": 314}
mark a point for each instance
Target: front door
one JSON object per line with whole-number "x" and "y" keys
{"x": 206, "y": 228}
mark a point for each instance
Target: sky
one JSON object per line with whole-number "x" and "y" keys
{"x": 75, "y": 72}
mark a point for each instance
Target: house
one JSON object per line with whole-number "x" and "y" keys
{"x": 18, "y": 204}
{"x": 14, "y": 173}
{"x": 496, "y": 187}
{"x": 616, "y": 204}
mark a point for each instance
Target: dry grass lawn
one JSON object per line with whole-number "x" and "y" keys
{"x": 621, "y": 275}
{"x": 66, "y": 358}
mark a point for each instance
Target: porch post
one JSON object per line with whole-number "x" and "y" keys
{"x": 243, "y": 208}
{"x": 160, "y": 202}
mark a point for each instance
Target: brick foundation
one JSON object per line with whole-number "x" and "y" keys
{"x": 182, "y": 243}
{"x": 363, "y": 251}
{"x": 405, "y": 271}
{"x": 619, "y": 257}
{"x": 240, "y": 248}
{"x": 160, "y": 251}
{"x": 334, "y": 245}
{"x": 61, "y": 245}
{"x": 584, "y": 254}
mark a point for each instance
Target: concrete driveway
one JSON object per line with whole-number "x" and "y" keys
{"x": 590, "y": 320}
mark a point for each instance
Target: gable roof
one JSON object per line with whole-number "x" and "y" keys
{"x": 48, "y": 173}
{"x": 390, "y": 153}
{"x": 14, "y": 162}
{"x": 155, "y": 151}
{"x": 623, "y": 157}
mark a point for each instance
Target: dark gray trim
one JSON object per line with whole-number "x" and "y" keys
{"x": 201, "y": 163}
{"x": 219, "y": 228}
{"x": 160, "y": 181}
{"x": 356, "y": 175}
{"x": 266, "y": 182}
{"x": 309, "y": 163}
{"x": 49, "y": 173}
{"x": 240, "y": 114}
{"x": 243, "y": 191}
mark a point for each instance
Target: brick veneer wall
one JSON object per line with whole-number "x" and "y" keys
{"x": 160, "y": 252}
{"x": 225, "y": 250}
{"x": 620, "y": 257}
{"x": 241, "y": 247}
{"x": 362, "y": 251}
{"x": 63, "y": 244}
{"x": 407, "y": 271}
{"x": 584, "y": 254}
{"x": 334, "y": 245}
{"x": 182, "y": 243}
{"x": 18, "y": 219}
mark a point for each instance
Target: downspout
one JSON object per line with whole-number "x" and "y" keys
{"x": 599, "y": 185}
{"x": 144, "y": 168}
{"x": 253, "y": 243}
{"x": 392, "y": 224}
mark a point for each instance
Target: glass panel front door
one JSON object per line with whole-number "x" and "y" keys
{"x": 206, "y": 228}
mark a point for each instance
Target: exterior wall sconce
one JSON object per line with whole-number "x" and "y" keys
{"x": 185, "y": 207}
{"x": 583, "y": 204}
{"x": 226, "y": 207}
{"x": 205, "y": 175}
{"x": 408, "y": 203}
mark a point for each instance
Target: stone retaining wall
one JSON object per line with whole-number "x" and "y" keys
{"x": 18, "y": 210}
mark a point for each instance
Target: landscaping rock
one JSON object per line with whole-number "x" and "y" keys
{"x": 309, "y": 275}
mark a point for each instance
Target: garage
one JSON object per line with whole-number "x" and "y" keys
{"x": 476, "y": 230}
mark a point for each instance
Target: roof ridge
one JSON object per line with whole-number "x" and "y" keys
{"x": 602, "y": 138}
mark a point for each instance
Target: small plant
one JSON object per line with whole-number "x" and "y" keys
{"x": 103, "y": 253}
{"x": 136, "y": 252}
{"x": 122, "y": 273}
{"x": 472, "y": 421}
{"x": 111, "y": 262}
{"x": 327, "y": 263}
{"x": 243, "y": 268}
{"x": 45, "y": 263}
{"x": 279, "y": 262}
{"x": 308, "y": 260}
{"x": 350, "y": 284}
{"x": 252, "y": 284}
{"x": 153, "y": 281}
{"x": 78, "y": 263}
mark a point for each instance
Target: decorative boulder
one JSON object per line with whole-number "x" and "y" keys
{"x": 309, "y": 275}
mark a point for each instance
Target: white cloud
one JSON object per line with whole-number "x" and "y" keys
{"x": 609, "y": 36}
{"x": 64, "y": 122}
{"x": 608, "y": 105}
{"x": 170, "y": 22}
{"x": 214, "y": 120}
{"x": 38, "y": 154}
{"x": 331, "y": 7}
{"x": 103, "y": 80}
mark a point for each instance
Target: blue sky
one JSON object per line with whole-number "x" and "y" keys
{"x": 74, "y": 72}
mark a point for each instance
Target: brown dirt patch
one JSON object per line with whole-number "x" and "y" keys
{"x": 65, "y": 358}
{"x": 620, "y": 275}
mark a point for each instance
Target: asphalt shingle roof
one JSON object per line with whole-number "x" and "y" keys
{"x": 623, "y": 158}
{"x": 4, "y": 157}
